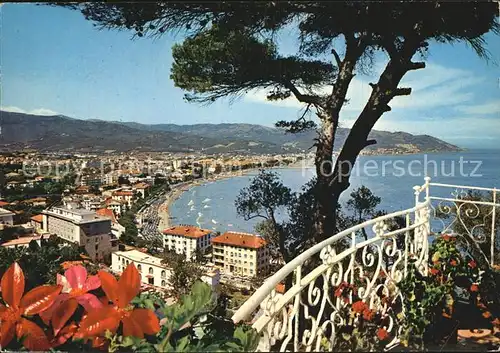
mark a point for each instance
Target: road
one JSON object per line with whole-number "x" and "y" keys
{"x": 151, "y": 219}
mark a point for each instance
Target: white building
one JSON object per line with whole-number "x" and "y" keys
{"x": 185, "y": 239}
{"x": 241, "y": 254}
{"x": 6, "y": 216}
{"x": 83, "y": 227}
{"x": 152, "y": 271}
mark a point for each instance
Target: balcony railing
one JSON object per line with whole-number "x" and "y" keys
{"x": 308, "y": 315}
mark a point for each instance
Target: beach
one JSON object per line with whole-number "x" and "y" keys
{"x": 179, "y": 189}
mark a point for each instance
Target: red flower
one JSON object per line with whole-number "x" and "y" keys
{"x": 474, "y": 288}
{"x": 472, "y": 264}
{"x": 486, "y": 314}
{"x": 453, "y": 263}
{"x": 434, "y": 271}
{"x": 359, "y": 306}
{"x": 446, "y": 237}
{"x": 136, "y": 322}
{"x": 496, "y": 322}
{"x": 368, "y": 314}
{"x": 338, "y": 292}
{"x": 382, "y": 334}
{"x": 34, "y": 302}
{"x": 76, "y": 285}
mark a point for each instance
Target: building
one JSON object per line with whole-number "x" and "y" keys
{"x": 186, "y": 239}
{"x": 123, "y": 196}
{"x": 37, "y": 222}
{"x": 152, "y": 271}
{"x": 22, "y": 242}
{"x": 241, "y": 254}
{"x": 141, "y": 188}
{"x": 91, "y": 180}
{"x": 83, "y": 227}
{"x": 6, "y": 216}
{"x": 116, "y": 228}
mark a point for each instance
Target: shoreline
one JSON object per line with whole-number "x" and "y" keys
{"x": 177, "y": 191}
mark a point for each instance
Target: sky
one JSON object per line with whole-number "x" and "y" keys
{"x": 53, "y": 61}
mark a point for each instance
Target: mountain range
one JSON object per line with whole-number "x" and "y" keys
{"x": 62, "y": 133}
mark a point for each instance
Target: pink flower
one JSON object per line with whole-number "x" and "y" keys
{"x": 76, "y": 286}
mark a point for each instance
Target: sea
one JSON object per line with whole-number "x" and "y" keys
{"x": 391, "y": 177}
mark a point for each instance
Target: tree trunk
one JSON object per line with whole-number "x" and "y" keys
{"x": 383, "y": 91}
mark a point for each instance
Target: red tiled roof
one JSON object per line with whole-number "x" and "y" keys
{"x": 3, "y": 203}
{"x": 240, "y": 239}
{"x": 187, "y": 231}
{"x": 106, "y": 212}
{"x": 21, "y": 241}
{"x": 38, "y": 218}
{"x": 123, "y": 193}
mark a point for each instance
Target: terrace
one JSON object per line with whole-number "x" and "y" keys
{"x": 309, "y": 315}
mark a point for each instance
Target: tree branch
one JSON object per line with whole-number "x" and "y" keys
{"x": 304, "y": 98}
{"x": 370, "y": 143}
{"x": 255, "y": 216}
{"x": 337, "y": 57}
{"x": 402, "y": 91}
{"x": 415, "y": 65}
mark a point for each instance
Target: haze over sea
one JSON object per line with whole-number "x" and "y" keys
{"x": 211, "y": 205}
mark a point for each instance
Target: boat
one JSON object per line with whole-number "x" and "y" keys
{"x": 214, "y": 221}
{"x": 206, "y": 206}
{"x": 191, "y": 203}
{"x": 206, "y": 200}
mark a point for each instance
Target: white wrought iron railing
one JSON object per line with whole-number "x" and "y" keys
{"x": 465, "y": 211}
{"x": 308, "y": 316}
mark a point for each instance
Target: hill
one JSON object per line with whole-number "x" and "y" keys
{"x": 61, "y": 133}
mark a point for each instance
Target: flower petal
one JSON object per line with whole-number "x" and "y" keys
{"x": 89, "y": 301}
{"x": 13, "y": 285}
{"x": 62, "y": 314}
{"x": 132, "y": 328}
{"x": 129, "y": 285}
{"x": 93, "y": 282}
{"x": 62, "y": 281}
{"x": 76, "y": 276}
{"x": 46, "y": 315}
{"x": 39, "y": 299}
{"x": 147, "y": 320}
{"x": 98, "y": 321}
{"x": 109, "y": 286}
{"x": 7, "y": 331}
{"x": 34, "y": 337}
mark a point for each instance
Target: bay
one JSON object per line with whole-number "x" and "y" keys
{"x": 211, "y": 205}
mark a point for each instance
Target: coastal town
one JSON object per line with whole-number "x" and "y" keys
{"x": 115, "y": 208}
{"x": 267, "y": 176}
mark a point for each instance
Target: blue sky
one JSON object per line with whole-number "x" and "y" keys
{"x": 53, "y": 61}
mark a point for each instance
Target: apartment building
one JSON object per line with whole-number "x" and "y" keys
{"x": 185, "y": 239}
{"x": 241, "y": 254}
{"x": 152, "y": 271}
{"x": 83, "y": 227}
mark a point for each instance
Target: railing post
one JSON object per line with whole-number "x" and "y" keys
{"x": 427, "y": 192}
{"x": 493, "y": 230}
{"x": 296, "y": 308}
